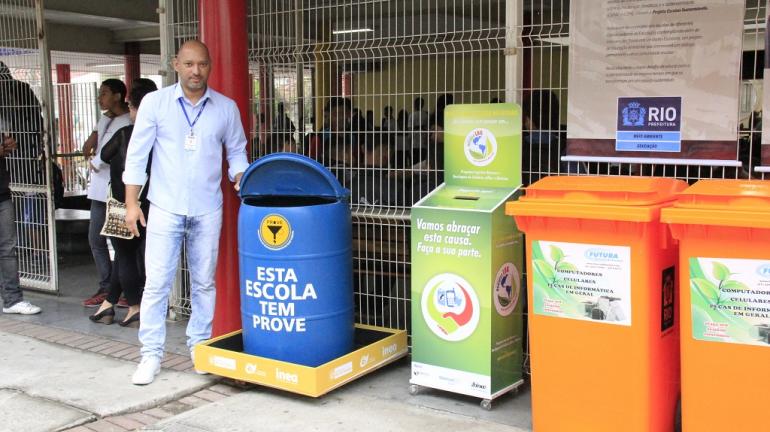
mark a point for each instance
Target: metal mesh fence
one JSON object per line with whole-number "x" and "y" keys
{"x": 361, "y": 86}
{"x": 25, "y": 116}
{"x": 77, "y": 113}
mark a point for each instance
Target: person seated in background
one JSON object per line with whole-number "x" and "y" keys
{"x": 542, "y": 144}
{"x": 282, "y": 122}
{"x": 419, "y": 118}
{"x": 341, "y": 156}
{"x": 377, "y": 184}
{"x": 442, "y": 102}
{"x": 282, "y": 142}
{"x": 388, "y": 123}
{"x": 340, "y": 146}
{"x": 428, "y": 171}
{"x": 402, "y": 120}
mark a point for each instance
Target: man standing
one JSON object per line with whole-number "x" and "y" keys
{"x": 13, "y": 298}
{"x": 19, "y": 114}
{"x": 185, "y": 126}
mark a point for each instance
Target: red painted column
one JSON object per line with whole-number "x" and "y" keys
{"x": 66, "y": 139}
{"x": 223, "y": 30}
{"x": 133, "y": 67}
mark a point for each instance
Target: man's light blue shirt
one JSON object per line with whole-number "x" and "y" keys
{"x": 185, "y": 182}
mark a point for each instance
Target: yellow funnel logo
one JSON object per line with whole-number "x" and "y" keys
{"x": 275, "y": 232}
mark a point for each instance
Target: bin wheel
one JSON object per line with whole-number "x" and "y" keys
{"x": 486, "y": 404}
{"x": 414, "y": 389}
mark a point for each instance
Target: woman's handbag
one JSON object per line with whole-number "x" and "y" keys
{"x": 115, "y": 218}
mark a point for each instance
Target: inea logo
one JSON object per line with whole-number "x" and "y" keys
{"x": 601, "y": 255}
{"x": 389, "y": 350}
{"x": 286, "y": 376}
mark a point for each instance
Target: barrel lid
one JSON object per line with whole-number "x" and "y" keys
{"x": 738, "y": 203}
{"x": 634, "y": 199}
{"x": 727, "y": 194}
{"x": 290, "y": 174}
{"x": 623, "y": 191}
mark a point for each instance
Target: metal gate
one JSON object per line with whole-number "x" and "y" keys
{"x": 386, "y": 55}
{"x": 25, "y": 95}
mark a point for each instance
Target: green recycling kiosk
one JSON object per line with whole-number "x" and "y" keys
{"x": 467, "y": 298}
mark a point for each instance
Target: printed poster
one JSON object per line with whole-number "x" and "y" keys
{"x": 766, "y": 105}
{"x": 483, "y": 145}
{"x": 730, "y": 300}
{"x": 582, "y": 281}
{"x": 654, "y": 79}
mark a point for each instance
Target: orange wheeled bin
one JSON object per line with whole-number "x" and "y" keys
{"x": 604, "y": 336}
{"x": 723, "y": 228}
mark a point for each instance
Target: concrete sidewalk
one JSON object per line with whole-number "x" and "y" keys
{"x": 54, "y": 379}
{"x": 59, "y": 371}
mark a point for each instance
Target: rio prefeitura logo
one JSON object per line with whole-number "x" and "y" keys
{"x": 450, "y": 307}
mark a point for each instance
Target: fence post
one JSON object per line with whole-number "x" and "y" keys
{"x": 49, "y": 137}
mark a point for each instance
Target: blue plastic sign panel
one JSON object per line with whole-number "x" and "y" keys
{"x": 649, "y": 124}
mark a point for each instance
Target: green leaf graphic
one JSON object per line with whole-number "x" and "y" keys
{"x": 707, "y": 288}
{"x": 477, "y": 155}
{"x": 721, "y": 272}
{"x": 735, "y": 285}
{"x": 566, "y": 266}
{"x": 556, "y": 254}
{"x": 544, "y": 269}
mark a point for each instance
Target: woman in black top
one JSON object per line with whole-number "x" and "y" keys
{"x": 128, "y": 271}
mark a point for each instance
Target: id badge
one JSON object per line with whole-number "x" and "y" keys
{"x": 190, "y": 142}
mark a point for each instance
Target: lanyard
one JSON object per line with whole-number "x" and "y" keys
{"x": 192, "y": 125}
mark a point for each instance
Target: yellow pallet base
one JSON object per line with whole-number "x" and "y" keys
{"x": 376, "y": 347}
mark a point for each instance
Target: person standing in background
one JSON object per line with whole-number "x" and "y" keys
{"x": 112, "y": 100}
{"x": 127, "y": 273}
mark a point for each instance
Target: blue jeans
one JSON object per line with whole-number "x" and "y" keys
{"x": 9, "y": 264}
{"x": 98, "y": 244}
{"x": 166, "y": 233}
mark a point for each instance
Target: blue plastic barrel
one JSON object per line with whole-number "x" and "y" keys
{"x": 296, "y": 275}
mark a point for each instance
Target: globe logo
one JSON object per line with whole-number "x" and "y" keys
{"x": 450, "y": 307}
{"x": 480, "y": 147}
{"x": 507, "y": 289}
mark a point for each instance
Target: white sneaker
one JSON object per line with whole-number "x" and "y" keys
{"x": 146, "y": 370}
{"x": 192, "y": 358}
{"x": 23, "y": 308}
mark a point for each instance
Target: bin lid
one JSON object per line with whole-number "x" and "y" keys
{"x": 591, "y": 197}
{"x": 453, "y": 197}
{"x": 740, "y": 203}
{"x": 290, "y": 174}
